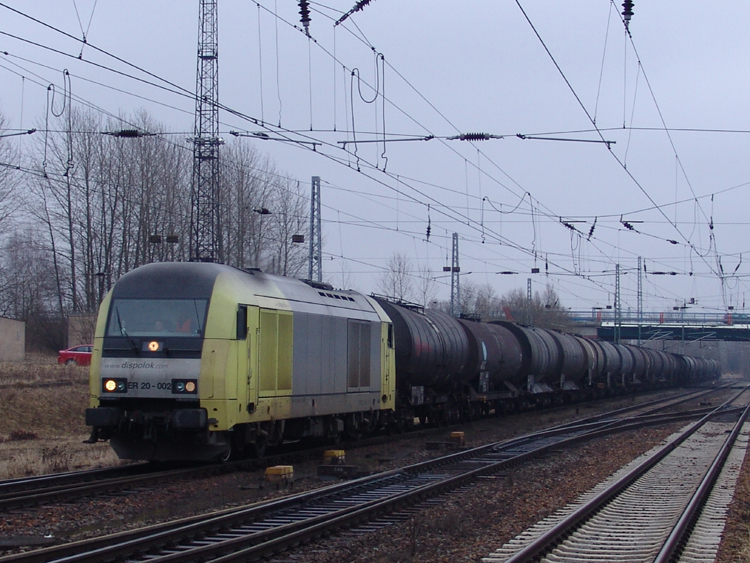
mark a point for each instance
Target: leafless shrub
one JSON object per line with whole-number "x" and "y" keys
{"x": 19, "y": 435}
{"x": 452, "y": 523}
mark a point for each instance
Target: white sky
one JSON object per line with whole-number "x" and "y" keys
{"x": 456, "y": 67}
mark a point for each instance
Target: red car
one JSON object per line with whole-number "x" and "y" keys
{"x": 80, "y": 355}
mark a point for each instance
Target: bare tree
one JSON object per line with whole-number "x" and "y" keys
{"x": 544, "y": 310}
{"x": 289, "y": 218}
{"x": 246, "y": 194}
{"x": 347, "y": 280}
{"x": 9, "y": 179}
{"x": 396, "y": 281}
{"x": 102, "y": 205}
{"x": 26, "y": 290}
{"x": 426, "y": 288}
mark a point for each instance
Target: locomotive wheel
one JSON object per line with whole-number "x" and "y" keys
{"x": 258, "y": 448}
{"x": 227, "y": 455}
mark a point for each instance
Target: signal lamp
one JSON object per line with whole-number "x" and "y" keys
{"x": 153, "y": 346}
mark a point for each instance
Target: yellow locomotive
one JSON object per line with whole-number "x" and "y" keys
{"x": 197, "y": 361}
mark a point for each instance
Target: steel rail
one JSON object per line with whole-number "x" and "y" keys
{"x": 10, "y": 487}
{"x": 272, "y": 539}
{"x": 545, "y": 541}
{"x": 165, "y": 533}
{"x": 675, "y": 540}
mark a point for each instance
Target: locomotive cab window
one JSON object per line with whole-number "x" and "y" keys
{"x": 242, "y": 322}
{"x": 154, "y": 317}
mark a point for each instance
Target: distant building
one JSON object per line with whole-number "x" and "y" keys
{"x": 12, "y": 340}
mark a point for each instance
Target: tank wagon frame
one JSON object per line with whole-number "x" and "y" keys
{"x": 196, "y": 361}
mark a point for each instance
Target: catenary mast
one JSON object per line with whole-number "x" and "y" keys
{"x": 205, "y": 230}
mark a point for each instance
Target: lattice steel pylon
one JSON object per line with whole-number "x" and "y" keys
{"x": 618, "y": 305}
{"x": 455, "y": 280}
{"x": 315, "y": 264}
{"x": 640, "y": 298}
{"x": 205, "y": 229}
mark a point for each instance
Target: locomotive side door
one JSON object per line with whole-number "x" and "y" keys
{"x": 247, "y": 377}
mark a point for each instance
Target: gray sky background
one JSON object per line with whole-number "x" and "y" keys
{"x": 450, "y": 68}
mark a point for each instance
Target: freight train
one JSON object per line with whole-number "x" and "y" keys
{"x": 202, "y": 361}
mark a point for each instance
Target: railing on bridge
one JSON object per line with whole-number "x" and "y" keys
{"x": 599, "y": 316}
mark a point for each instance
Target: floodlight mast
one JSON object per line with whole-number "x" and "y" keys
{"x": 205, "y": 229}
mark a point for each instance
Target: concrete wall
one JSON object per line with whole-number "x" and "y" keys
{"x": 12, "y": 340}
{"x": 81, "y": 329}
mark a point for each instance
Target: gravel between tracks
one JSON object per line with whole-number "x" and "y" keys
{"x": 465, "y": 527}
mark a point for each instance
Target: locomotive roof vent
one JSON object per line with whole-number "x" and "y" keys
{"x": 319, "y": 285}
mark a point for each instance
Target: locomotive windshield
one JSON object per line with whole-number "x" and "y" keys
{"x": 149, "y": 317}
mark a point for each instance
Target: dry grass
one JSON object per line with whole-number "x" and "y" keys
{"x": 38, "y": 457}
{"x": 43, "y": 406}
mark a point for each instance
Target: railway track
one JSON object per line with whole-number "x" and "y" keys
{"x": 645, "y": 512}
{"x": 25, "y": 492}
{"x": 259, "y": 530}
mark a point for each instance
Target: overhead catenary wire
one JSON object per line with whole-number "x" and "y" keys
{"x": 532, "y": 207}
{"x": 588, "y": 115}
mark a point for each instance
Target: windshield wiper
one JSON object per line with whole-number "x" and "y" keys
{"x": 123, "y": 331}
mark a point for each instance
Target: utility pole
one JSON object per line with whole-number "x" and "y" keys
{"x": 618, "y": 309}
{"x": 315, "y": 265}
{"x": 455, "y": 281}
{"x": 205, "y": 229}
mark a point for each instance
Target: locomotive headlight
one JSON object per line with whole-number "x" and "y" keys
{"x": 152, "y": 346}
{"x": 115, "y": 385}
{"x": 184, "y": 386}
